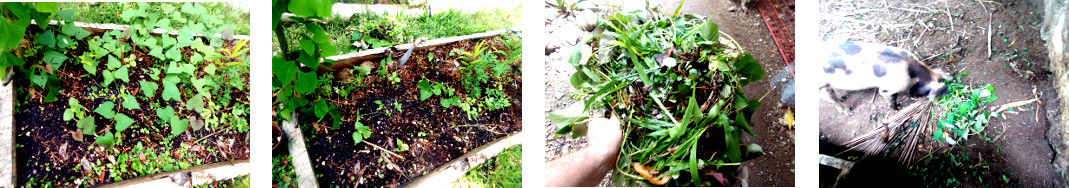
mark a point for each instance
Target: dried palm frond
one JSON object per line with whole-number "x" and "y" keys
{"x": 903, "y": 135}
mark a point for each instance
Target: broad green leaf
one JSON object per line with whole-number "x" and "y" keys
{"x": 357, "y": 137}
{"x": 149, "y": 88}
{"x": 196, "y": 103}
{"x": 748, "y": 68}
{"x": 106, "y": 109}
{"x": 710, "y": 31}
{"x": 164, "y": 23}
{"x": 46, "y": 7}
{"x": 11, "y": 34}
{"x": 174, "y": 54}
{"x": 178, "y": 125}
{"x": 308, "y": 46}
{"x": 122, "y": 122}
{"x": 307, "y": 82}
{"x": 106, "y": 140}
{"x": 311, "y": 8}
{"x": 18, "y": 9}
{"x": 39, "y": 80}
{"x": 66, "y": 15}
{"x": 10, "y": 59}
{"x": 108, "y": 77}
{"x": 54, "y": 58}
{"x": 46, "y": 38}
{"x": 167, "y": 41}
{"x": 75, "y": 31}
{"x": 424, "y": 89}
{"x": 130, "y": 102}
{"x": 113, "y": 62}
{"x": 157, "y": 52}
{"x": 68, "y": 114}
{"x": 321, "y": 108}
{"x": 170, "y": 91}
{"x": 210, "y": 69}
{"x": 122, "y": 74}
{"x": 87, "y": 125}
{"x": 562, "y": 119}
{"x": 165, "y": 114}
{"x": 284, "y": 71}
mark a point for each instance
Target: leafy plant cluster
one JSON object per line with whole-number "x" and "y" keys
{"x": 193, "y": 64}
{"x": 54, "y": 42}
{"x": 675, "y": 86}
{"x": 296, "y": 84}
{"x": 483, "y": 74}
{"x": 965, "y": 111}
{"x": 110, "y": 12}
{"x": 140, "y": 161}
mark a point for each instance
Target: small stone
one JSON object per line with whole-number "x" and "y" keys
{"x": 732, "y": 9}
{"x": 586, "y": 20}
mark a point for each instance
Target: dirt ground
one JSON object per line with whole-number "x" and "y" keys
{"x": 952, "y": 35}
{"x": 776, "y": 168}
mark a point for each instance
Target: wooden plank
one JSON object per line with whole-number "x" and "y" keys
{"x": 198, "y": 175}
{"x": 453, "y": 170}
{"x": 355, "y": 58}
{"x": 7, "y": 136}
{"x": 302, "y": 166}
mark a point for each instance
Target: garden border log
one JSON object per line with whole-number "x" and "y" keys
{"x": 449, "y": 172}
{"x": 302, "y": 166}
{"x": 352, "y": 59}
{"x": 7, "y": 137}
{"x": 189, "y": 177}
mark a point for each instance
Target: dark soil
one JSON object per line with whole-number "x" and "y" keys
{"x": 448, "y": 133}
{"x": 1018, "y": 148}
{"x": 41, "y": 131}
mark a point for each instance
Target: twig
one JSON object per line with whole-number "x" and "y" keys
{"x": 988, "y": 29}
{"x": 951, "y": 18}
{"x": 383, "y": 149}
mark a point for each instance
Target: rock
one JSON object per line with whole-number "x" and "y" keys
{"x": 552, "y": 45}
{"x": 586, "y": 20}
{"x": 732, "y": 9}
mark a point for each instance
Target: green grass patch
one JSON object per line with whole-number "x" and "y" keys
{"x": 505, "y": 170}
{"x": 282, "y": 173}
{"x": 381, "y": 30}
{"x": 108, "y": 12}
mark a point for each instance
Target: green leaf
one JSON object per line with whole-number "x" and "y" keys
{"x": 308, "y": 46}
{"x": 285, "y": 71}
{"x": 196, "y": 103}
{"x": 108, "y": 77}
{"x": 170, "y": 91}
{"x": 68, "y": 114}
{"x": 87, "y": 124}
{"x": 424, "y": 89}
{"x": 748, "y": 68}
{"x": 113, "y": 62}
{"x": 562, "y": 119}
{"x": 174, "y": 54}
{"x": 10, "y": 59}
{"x": 11, "y": 33}
{"x": 321, "y": 108}
{"x": 311, "y": 8}
{"x": 54, "y": 58}
{"x": 66, "y": 15}
{"x": 39, "y": 80}
{"x": 710, "y": 31}
{"x": 165, "y": 114}
{"x": 74, "y": 30}
{"x": 46, "y": 7}
{"x": 106, "y": 140}
{"x": 149, "y": 88}
{"x": 122, "y": 74}
{"x": 307, "y": 82}
{"x": 178, "y": 125}
{"x": 163, "y": 23}
{"x": 105, "y": 109}
{"x": 122, "y": 122}
{"x": 46, "y": 38}
{"x": 18, "y": 9}
{"x": 357, "y": 137}
{"x": 210, "y": 69}
{"x": 130, "y": 102}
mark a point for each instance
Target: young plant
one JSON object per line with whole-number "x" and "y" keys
{"x": 362, "y": 132}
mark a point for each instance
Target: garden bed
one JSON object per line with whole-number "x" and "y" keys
{"x": 69, "y": 100}
{"x": 433, "y": 134}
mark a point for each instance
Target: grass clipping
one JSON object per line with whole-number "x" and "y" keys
{"x": 677, "y": 86}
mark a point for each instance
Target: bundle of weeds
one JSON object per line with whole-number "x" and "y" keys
{"x": 926, "y": 127}
{"x": 677, "y": 87}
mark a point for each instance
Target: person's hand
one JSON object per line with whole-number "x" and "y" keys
{"x": 603, "y": 136}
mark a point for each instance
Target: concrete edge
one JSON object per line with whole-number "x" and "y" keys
{"x": 7, "y": 137}
{"x": 193, "y": 176}
{"x": 302, "y": 165}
